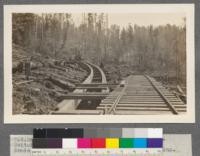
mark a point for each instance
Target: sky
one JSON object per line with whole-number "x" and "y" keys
{"x": 141, "y": 19}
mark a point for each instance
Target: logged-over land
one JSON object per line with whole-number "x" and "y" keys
{"x": 47, "y": 81}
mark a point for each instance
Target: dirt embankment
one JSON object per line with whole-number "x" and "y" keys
{"x": 48, "y": 79}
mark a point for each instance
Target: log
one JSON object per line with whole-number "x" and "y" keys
{"x": 62, "y": 84}
{"x": 57, "y": 67}
{"x": 23, "y": 82}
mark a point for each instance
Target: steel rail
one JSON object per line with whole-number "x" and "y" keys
{"x": 172, "y": 108}
{"x": 113, "y": 107}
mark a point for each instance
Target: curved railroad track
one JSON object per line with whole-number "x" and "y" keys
{"x": 81, "y": 100}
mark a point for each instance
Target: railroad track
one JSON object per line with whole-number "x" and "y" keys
{"x": 91, "y": 104}
{"x": 97, "y": 77}
{"x": 142, "y": 95}
{"x": 82, "y": 100}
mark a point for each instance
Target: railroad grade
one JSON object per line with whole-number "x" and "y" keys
{"x": 137, "y": 95}
{"x": 142, "y": 95}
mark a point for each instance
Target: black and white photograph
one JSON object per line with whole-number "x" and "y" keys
{"x": 90, "y": 63}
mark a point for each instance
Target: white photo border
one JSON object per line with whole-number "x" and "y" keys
{"x": 188, "y": 9}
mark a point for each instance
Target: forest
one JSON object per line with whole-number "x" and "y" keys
{"x": 159, "y": 51}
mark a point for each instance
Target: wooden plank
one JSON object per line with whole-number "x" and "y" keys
{"x": 145, "y": 95}
{"x": 23, "y": 82}
{"x": 125, "y": 111}
{"x": 135, "y": 101}
{"x": 182, "y": 110}
{"x": 142, "y": 109}
{"x": 134, "y": 98}
{"x": 108, "y": 101}
{"x": 142, "y": 102}
{"x": 91, "y": 87}
{"x": 96, "y": 84}
{"x": 148, "y": 100}
{"x": 121, "y": 112}
{"x": 142, "y": 94}
{"x": 136, "y": 105}
{"x": 84, "y": 96}
{"x": 132, "y": 102}
{"x": 140, "y": 91}
{"x": 155, "y": 96}
{"x": 180, "y": 106}
{"x": 79, "y": 112}
{"x": 102, "y": 108}
{"x": 138, "y": 102}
